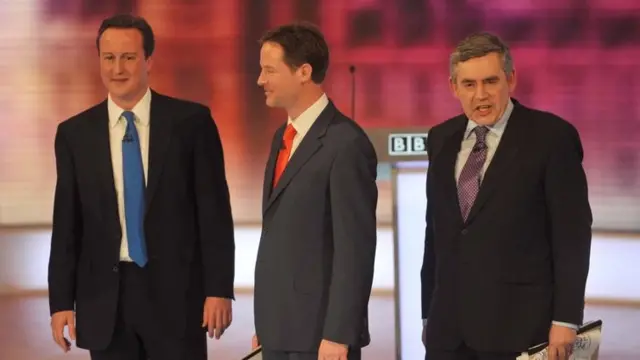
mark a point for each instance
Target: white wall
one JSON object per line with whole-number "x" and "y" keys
{"x": 24, "y": 256}
{"x": 615, "y": 264}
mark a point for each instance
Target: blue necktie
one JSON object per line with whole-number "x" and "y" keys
{"x": 134, "y": 187}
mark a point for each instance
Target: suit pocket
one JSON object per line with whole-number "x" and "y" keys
{"x": 302, "y": 287}
{"x": 84, "y": 280}
{"x": 525, "y": 276}
{"x": 309, "y": 285}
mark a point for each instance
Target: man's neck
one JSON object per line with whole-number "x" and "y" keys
{"x": 129, "y": 103}
{"x": 304, "y": 102}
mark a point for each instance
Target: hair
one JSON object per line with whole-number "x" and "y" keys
{"x": 302, "y": 43}
{"x": 478, "y": 45}
{"x": 126, "y": 21}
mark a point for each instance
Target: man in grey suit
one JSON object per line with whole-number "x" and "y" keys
{"x": 314, "y": 270}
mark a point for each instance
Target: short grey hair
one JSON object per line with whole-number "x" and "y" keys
{"x": 478, "y": 45}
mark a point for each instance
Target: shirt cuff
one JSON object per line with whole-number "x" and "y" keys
{"x": 424, "y": 322}
{"x": 560, "y": 323}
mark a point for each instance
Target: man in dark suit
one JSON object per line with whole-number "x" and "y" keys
{"x": 142, "y": 249}
{"x": 508, "y": 219}
{"x": 314, "y": 270}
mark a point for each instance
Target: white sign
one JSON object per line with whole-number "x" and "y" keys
{"x": 407, "y": 144}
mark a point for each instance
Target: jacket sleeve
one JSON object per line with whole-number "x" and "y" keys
{"x": 215, "y": 221}
{"x": 66, "y": 229}
{"x": 354, "y": 197}
{"x": 570, "y": 224}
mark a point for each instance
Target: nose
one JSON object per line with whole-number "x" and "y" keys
{"x": 118, "y": 67}
{"x": 260, "y": 81}
{"x": 481, "y": 92}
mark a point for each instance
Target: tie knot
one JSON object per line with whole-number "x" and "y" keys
{"x": 129, "y": 116}
{"x": 289, "y": 133}
{"x": 481, "y": 133}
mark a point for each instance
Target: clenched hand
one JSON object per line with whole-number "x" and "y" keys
{"x": 561, "y": 340}
{"x": 216, "y": 316}
{"x": 58, "y": 322}
{"x": 330, "y": 350}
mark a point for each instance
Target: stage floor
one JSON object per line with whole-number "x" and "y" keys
{"x": 25, "y": 318}
{"x": 26, "y": 333}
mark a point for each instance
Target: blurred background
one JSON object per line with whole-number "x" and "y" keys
{"x": 576, "y": 58}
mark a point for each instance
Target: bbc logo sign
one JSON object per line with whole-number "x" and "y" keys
{"x": 407, "y": 144}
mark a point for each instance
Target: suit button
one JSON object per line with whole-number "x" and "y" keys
{"x": 115, "y": 268}
{"x": 464, "y": 231}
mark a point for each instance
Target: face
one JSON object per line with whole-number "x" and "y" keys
{"x": 483, "y": 88}
{"x": 123, "y": 67}
{"x": 282, "y": 85}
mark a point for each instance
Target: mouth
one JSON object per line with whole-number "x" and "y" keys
{"x": 484, "y": 109}
{"x": 119, "y": 81}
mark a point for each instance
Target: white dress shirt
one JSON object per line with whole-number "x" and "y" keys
{"x": 492, "y": 140}
{"x": 303, "y": 123}
{"x": 117, "y": 127}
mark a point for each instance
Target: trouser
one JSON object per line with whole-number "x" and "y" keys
{"x": 465, "y": 353}
{"x": 354, "y": 354}
{"x": 139, "y": 333}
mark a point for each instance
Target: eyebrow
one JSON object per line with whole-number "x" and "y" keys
{"x": 490, "y": 78}
{"x": 124, "y": 53}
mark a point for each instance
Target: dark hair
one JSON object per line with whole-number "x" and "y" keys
{"x": 302, "y": 43}
{"x": 478, "y": 45}
{"x": 126, "y": 21}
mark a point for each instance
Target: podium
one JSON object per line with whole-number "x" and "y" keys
{"x": 402, "y": 153}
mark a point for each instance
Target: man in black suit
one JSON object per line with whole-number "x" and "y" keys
{"x": 142, "y": 245}
{"x": 508, "y": 231}
{"x": 314, "y": 270}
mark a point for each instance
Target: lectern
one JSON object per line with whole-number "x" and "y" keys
{"x": 403, "y": 152}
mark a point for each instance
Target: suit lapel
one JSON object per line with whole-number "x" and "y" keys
{"x": 160, "y": 123}
{"x": 501, "y": 163}
{"x": 270, "y": 169}
{"x": 309, "y": 145}
{"x": 445, "y": 169}
{"x": 101, "y": 147}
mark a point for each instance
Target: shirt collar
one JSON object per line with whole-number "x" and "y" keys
{"x": 303, "y": 123}
{"x": 498, "y": 127}
{"x": 141, "y": 110}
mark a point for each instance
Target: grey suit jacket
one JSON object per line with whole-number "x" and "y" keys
{"x": 315, "y": 262}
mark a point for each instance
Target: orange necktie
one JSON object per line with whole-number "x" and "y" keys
{"x": 283, "y": 156}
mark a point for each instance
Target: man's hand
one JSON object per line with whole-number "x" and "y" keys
{"x": 424, "y": 335}
{"x": 254, "y": 342}
{"x": 332, "y": 351}
{"x": 58, "y": 321}
{"x": 216, "y": 316}
{"x": 561, "y": 340}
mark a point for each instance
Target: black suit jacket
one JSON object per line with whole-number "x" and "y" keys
{"x": 188, "y": 223}
{"x": 314, "y": 269}
{"x": 520, "y": 261}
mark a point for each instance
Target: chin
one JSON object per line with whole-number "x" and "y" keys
{"x": 486, "y": 121}
{"x": 272, "y": 103}
{"x": 120, "y": 93}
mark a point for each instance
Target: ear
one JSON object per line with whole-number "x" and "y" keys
{"x": 453, "y": 87}
{"x": 304, "y": 73}
{"x": 149, "y": 62}
{"x": 512, "y": 81}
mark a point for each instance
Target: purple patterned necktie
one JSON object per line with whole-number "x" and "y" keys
{"x": 471, "y": 175}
